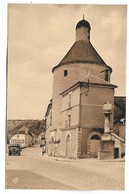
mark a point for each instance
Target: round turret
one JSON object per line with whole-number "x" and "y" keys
{"x": 83, "y": 23}
{"x": 83, "y": 30}
{"x": 81, "y": 59}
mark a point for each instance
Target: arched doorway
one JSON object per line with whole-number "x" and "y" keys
{"x": 68, "y": 146}
{"x": 94, "y": 145}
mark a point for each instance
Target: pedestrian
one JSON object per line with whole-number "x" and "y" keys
{"x": 43, "y": 150}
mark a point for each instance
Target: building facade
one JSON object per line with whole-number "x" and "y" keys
{"x": 23, "y": 138}
{"x": 81, "y": 86}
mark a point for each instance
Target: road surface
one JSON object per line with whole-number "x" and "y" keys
{"x": 31, "y": 170}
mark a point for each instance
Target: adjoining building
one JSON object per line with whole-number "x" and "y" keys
{"x": 23, "y": 138}
{"x": 120, "y": 115}
{"x": 81, "y": 86}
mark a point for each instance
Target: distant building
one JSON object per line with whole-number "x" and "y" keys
{"x": 120, "y": 115}
{"x": 81, "y": 86}
{"x": 23, "y": 137}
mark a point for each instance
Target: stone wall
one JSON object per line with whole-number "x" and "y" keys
{"x": 72, "y": 144}
{"x": 92, "y": 106}
{"x": 87, "y": 133}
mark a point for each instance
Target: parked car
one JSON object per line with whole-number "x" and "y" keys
{"x": 14, "y": 150}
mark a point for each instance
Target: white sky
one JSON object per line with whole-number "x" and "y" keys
{"x": 40, "y": 36}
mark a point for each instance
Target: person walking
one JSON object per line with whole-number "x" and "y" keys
{"x": 43, "y": 150}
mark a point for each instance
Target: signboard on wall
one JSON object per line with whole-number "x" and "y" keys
{"x": 18, "y": 141}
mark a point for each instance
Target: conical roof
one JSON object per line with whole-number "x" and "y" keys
{"x": 82, "y": 52}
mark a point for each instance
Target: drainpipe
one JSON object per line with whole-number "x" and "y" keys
{"x": 79, "y": 131}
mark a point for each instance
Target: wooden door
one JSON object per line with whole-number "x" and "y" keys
{"x": 94, "y": 146}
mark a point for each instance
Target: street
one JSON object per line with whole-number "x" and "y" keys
{"x": 31, "y": 170}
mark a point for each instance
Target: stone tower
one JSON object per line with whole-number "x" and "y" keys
{"x": 81, "y": 59}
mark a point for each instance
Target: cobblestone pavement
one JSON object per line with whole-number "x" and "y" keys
{"x": 32, "y": 170}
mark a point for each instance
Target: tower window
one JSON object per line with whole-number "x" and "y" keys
{"x": 69, "y": 100}
{"x": 65, "y": 73}
{"x": 68, "y": 137}
{"x": 69, "y": 120}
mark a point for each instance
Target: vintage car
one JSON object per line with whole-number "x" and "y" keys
{"x": 14, "y": 150}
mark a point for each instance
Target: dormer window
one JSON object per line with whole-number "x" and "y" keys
{"x": 106, "y": 75}
{"x": 65, "y": 73}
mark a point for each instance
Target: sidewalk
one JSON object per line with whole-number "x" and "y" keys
{"x": 55, "y": 158}
{"x": 82, "y": 159}
{"x": 59, "y": 158}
